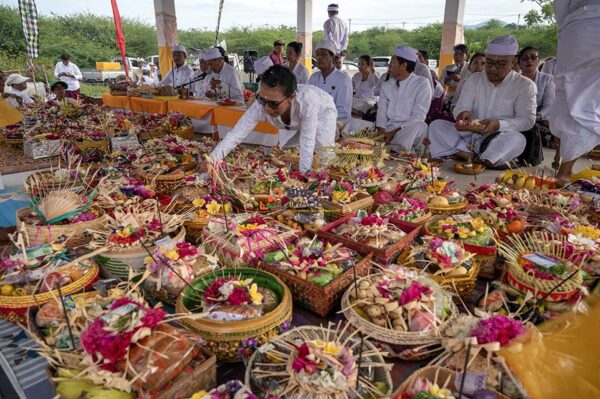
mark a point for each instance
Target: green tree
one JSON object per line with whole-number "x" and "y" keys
{"x": 545, "y": 15}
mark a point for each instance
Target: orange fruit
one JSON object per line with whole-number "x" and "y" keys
{"x": 515, "y": 226}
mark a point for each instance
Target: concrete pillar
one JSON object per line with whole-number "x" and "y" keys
{"x": 453, "y": 31}
{"x": 166, "y": 33}
{"x": 305, "y": 32}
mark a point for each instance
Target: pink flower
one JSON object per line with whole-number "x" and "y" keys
{"x": 498, "y": 328}
{"x": 414, "y": 293}
{"x": 238, "y": 296}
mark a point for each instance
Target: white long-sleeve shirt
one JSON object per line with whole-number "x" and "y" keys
{"x": 24, "y": 96}
{"x": 178, "y": 76}
{"x": 335, "y": 30}
{"x": 73, "y": 83}
{"x": 339, "y": 86}
{"x": 513, "y": 102}
{"x": 545, "y": 93}
{"x": 231, "y": 83}
{"x": 403, "y": 103}
{"x": 364, "y": 90}
{"x": 311, "y": 109}
{"x": 301, "y": 73}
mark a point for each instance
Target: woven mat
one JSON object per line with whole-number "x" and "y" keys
{"x": 14, "y": 160}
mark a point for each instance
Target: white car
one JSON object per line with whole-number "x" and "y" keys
{"x": 381, "y": 64}
{"x": 349, "y": 67}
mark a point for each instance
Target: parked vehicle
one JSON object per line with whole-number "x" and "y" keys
{"x": 349, "y": 67}
{"x": 381, "y": 64}
{"x": 109, "y": 76}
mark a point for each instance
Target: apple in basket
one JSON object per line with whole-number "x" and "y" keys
{"x": 227, "y": 101}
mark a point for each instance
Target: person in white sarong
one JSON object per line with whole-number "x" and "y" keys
{"x": 575, "y": 115}
{"x": 223, "y": 81}
{"x": 403, "y": 103}
{"x": 333, "y": 81}
{"x": 335, "y": 30}
{"x": 200, "y": 75}
{"x": 181, "y": 73}
{"x": 292, "y": 55}
{"x": 501, "y": 100}
{"x": 305, "y": 115}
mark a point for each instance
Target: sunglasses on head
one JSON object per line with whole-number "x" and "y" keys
{"x": 270, "y": 103}
{"x": 532, "y": 57}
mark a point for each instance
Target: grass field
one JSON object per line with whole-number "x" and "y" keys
{"x": 93, "y": 90}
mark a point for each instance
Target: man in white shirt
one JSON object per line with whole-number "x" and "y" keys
{"x": 200, "y": 75}
{"x": 403, "y": 103}
{"x": 14, "y": 91}
{"x": 223, "y": 81}
{"x": 181, "y": 73}
{"x": 335, "y": 30}
{"x": 501, "y": 100}
{"x": 332, "y": 80}
{"x": 69, "y": 73}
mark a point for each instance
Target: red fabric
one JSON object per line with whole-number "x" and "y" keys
{"x": 72, "y": 94}
{"x": 276, "y": 58}
{"x": 120, "y": 37}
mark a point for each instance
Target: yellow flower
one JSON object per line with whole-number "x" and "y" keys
{"x": 328, "y": 348}
{"x": 247, "y": 226}
{"x": 200, "y": 394}
{"x": 172, "y": 254}
{"x": 127, "y": 123}
{"x": 340, "y": 196}
{"x": 441, "y": 393}
{"x": 255, "y": 296}
{"x": 198, "y": 202}
{"x": 478, "y": 224}
{"x": 463, "y": 232}
{"x": 588, "y": 232}
{"x": 213, "y": 208}
{"x": 148, "y": 260}
{"x": 437, "y": 186}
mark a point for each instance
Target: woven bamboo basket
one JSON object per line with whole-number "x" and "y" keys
{"x": 335, "y": 210}
{"x": 49, "y": 233}
{"x": 224, "y": 338}
{"x": 463, "y": 286}
{"x": 87, "y": 145}
{"x": 17, "y": 143}
{"x": 405, "y": 345}
{"x": 167, "y": 183}
{"x": 16, "y": 308}
{"x": 185, "y": 132}
{"x": 194, "y": 228}
{"x": 117, "y": 264}
{"x": 376, "y": 374}
{"x": 449, "y": 209}
{"x": 487, "y": 257}
{"x": 152, "y": 134}
{"x": 438, "y": 375}
{"x": 314, "y": 297}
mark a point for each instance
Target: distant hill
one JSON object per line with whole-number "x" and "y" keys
{"x": 482, "y": 24}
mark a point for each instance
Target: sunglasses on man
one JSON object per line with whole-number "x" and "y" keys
{"x": 269, "y": 103}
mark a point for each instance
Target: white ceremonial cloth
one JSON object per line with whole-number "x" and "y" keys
{"x": 575, "y": 115}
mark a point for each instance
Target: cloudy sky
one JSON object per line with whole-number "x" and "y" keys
{"x": 202, "y": 14}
